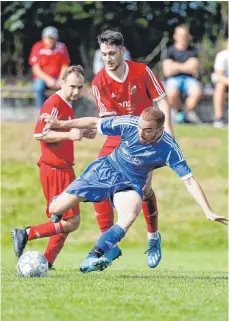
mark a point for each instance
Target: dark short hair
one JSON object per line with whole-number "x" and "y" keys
{"x": 155, "y": 115}
{"x": 111, "y": 37}
{"x": 77, "y": 70}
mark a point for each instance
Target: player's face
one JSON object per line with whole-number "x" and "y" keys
{"x": 72, "y": 86}
{"x": 112, "y": 56}
{"x": 148, "y": 131}
{"x": 49, "y": 42}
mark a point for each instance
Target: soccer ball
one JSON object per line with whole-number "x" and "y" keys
{"x": 32, "y": 264}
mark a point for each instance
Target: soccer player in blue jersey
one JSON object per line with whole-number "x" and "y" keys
{"x": 122, "y": 175}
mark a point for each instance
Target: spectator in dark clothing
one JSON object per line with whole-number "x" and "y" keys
{"x": 180, "y": 68}
{"x": 49, "y": 58}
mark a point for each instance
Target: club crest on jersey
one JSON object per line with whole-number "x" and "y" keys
{"x": 133, "y": 89}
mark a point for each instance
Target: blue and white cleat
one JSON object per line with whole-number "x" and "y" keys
{"x": 154, "y": 252}
{"x": 113, "y": 253}
{"x": 91, "y": 264}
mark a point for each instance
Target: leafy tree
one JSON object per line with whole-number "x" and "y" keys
{"x": 143, "y": 24}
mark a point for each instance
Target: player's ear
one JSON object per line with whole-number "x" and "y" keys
{"x": 123, "y": 50}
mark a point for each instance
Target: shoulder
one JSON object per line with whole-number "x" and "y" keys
{"x": 126, "y": 120}
{"x": 99, "y": 78}
{"x": 192, "y": 49}
{"x": 60, "y": 46}
{"x": 222, "y": 54}
{"x": 53, "y": 100}
{"x": 136, "y": 66}
{"x": 38, "y": 45}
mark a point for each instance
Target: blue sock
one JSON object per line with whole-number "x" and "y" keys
{"x": 110, "y": 238}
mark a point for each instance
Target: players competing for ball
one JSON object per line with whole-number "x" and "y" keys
{"x": 122, "y": 175}
{"x": 127, "y": 88}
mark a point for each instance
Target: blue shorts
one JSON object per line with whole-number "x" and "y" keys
{"x": 101, "y": 180}
{"x": 183, "y": 83}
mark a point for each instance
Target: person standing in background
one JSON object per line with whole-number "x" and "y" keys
{"x": 49, "y": 59}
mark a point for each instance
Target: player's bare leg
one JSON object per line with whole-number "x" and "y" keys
{"x": 96, "y": 260}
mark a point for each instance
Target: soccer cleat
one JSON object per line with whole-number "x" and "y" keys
{"x": 218, "y": 123}
{"x": 20, "y": 239}
{"x": 113, "y": 254}
{"x": 91, "y": 264}
{"x": 51, "y": 267}
{"x": 154, "y": 252}
{"x": 56, "y": 218}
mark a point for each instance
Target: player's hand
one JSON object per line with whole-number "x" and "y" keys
{"x": 213, "y": 217}
{"x": 75, "y": 134}
{"x": 51, "y": 82}
{"x": 89, "y": 133}
{"x": 47, "y": 118}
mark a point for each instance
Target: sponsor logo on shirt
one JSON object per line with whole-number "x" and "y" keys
{"x": 133, "y": 89}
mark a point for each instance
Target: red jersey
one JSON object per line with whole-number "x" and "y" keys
{"x": 59, "y": 154}
{"x": 138, "y": 88}
{"x": 50, "y": 60}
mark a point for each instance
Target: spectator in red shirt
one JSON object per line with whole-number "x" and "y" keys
{"x": 49, "y": 58}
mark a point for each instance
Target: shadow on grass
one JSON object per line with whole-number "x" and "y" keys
{"x": 178, "y": 277}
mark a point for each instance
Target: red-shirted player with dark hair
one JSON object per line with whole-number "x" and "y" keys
{"x": 56, "y": 165}
{"x": 49, "y": 58}
{"x": 127, "y": 88}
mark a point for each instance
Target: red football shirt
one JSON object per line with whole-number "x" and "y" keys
{"x": 138, "y": 88}
{"x": 59, "y": 154}
{"x": 50, "y": 60}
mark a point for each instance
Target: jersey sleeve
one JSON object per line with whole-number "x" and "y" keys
{"x": 104, "y": 105}
{"x": 65, "y": 56}
{"x": 178, "y": 164}
{"x": 34, "y": 54}
{"x": 169, "y": 54}
{"x": 117, "y": 126}
{"x": 219, "y": 63}
{"x": 154, "y": 86}
{"x": 50, "y": 107}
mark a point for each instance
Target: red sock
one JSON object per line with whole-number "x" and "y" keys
{"x": 44, "y": 230}
{"x": 104, "y": 215}
{"x": 150, "y": 211}
{"x": 55, "y": 244}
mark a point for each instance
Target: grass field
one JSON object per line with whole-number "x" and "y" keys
{"x": 189, "y": 285}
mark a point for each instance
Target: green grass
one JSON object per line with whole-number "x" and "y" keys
{"x": 187, "y": 286}
{"x": 191, "y": 281}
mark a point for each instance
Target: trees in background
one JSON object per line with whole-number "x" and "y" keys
{"x": 143, "y": 24}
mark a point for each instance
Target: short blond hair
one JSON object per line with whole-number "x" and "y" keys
{"x": 154, "y": 114}
{"x": 76, "y": 70}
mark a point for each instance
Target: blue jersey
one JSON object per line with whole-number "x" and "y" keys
{"x": 134, "y": 159}
{"x": 129, "y": 164}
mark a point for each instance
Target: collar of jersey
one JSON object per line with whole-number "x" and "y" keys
{"x": 61, "y": 96}
{"x": 116, "y": 78}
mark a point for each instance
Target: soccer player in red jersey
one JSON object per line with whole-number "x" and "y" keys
{"x": 127, "y": 88}
{"x": 56, "y": 165}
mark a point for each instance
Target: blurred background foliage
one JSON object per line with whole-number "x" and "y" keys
{"x": 143, "y": 23}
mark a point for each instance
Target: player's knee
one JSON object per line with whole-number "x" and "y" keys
{"x": 74, "y": 223}
{"x": 147, "y": 191}
{"x": 54, "y": 208}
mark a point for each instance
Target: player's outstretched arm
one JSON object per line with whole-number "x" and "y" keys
{"x": 197, "y": 193}
{"x": 81, "y": 123}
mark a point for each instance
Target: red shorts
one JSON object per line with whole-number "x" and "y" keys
{"x": 110, "y": 144}
{"x": 54, "y": 181}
